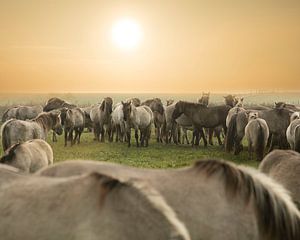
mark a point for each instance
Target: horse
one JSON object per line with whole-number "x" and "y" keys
{"x": 293, "y": 132}
{"x": 169, "y": 102}
{"x": 202, "y": 116}
{"x": 73, "y": 120}
{"x": 257, "y": 134}
{"x": 241, "y": 203}
{"x": 14, "y": 131}
{"x": 29, "y": 156}
{"x": 101, "y": 117}
{"x": 88, "y": 122}
{"x": 140, "y": 119}
{"x": 22, "y": 113}
{"x": 9, "y": 114}
{"x": 158, "y": 110}
{"x": 118, "y": 123}
{"x": 57, "y": 103}
{"x": 277, "y": 119}
{"x": 135, "y": 101}
{"x": 84, "y": 207}
{"x": 284, "y": 167}
{"x": 28, "y": 112}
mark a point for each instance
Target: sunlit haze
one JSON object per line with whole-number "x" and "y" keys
{"x": 149, "y": 46}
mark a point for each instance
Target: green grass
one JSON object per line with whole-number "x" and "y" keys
{"x": 157, "y": 155}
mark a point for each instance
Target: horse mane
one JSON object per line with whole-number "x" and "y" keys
{"x": 45, "y": 120}
{"x": 9, "y": 153}
{"x": 277, "y": 216}
{"x": 152, "y": 196}
{"x": 192, "y": 104}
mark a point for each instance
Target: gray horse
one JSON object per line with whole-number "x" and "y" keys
{"x": 140, "y": 119}
{"x": 15, "y": 131}
{"x": 29, "y": 156}
{"x": 73, "y": 120}
{"x": 84, "y": 207}
{"x": 257, "y": 134}
{"x": 22, "y": 113}
{"x": 277, "y": 119}
{"x": 215, "y": 199}
{"x": 101, "y": 118}
{"x": 284, "y": 167}
{"x": 9, "y": 114}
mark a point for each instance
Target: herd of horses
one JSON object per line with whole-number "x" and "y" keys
{"x": 213, "y": 199}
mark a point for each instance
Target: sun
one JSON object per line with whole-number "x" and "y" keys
{"x": 126, "y": 34}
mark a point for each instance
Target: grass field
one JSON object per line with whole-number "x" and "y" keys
{"x": 157, "y": 155}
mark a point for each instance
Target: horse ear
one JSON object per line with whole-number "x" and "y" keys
{"x": 242, "y": 99}
{"x": 122, "y": 102}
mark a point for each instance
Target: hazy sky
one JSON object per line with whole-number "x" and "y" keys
{"x": 187, "y": 46}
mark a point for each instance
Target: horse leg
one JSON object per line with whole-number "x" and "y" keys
{"x": 71, "y": 136}
{"x": 79, "y": 135}
{"x": 218, "y": 135}
{"x": 54, "y": 139}
{"x": 203, "y": 136}
{"x": 128, "y": 134}
{"x": 136, "y": 135}
{"x": 66, "y": 137}
{"x": 210, "y": 136}
{"x": 77, "y": 130}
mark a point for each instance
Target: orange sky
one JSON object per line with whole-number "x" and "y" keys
{"x": 187, "y": 46}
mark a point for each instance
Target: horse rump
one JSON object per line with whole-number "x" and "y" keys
{"x": 231, "y": 134}
{"x": 297, "y": 139}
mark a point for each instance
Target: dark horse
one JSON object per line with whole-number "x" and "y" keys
{"x": 202, "y": 116}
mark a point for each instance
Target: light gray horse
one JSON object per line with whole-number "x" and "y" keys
{"x": 140, "y": 119}
{"x": 9, "y": 114}
{"x": 29, "y": 156}
{"x": 22, "y": 113}
{"x": 101, "y": 118}
{"x": 15, "y": 131}
{"x": 28, "y": 112}
{"x": 293, "y": 132}
{"x": 284, "y": 167}
{"x": 118, "y": 123}
{"x": 257, "y": 134}
{"x": 215, "y": 199}
{"x": 73, "y": 121}
{"x": 84, "y": 207}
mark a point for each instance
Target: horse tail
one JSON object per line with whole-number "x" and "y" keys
{"x": 231, "y": 134}
{"x": 276, "y": 215}
{"x": 297, "y": 138}
{"x": 260, "y": 142}
{"x": 10, "y": 153}
{"x": 4, "y": 135}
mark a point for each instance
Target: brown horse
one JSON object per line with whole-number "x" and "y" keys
{"x": 202, "y": 116}
{"x": 158, "y": 110}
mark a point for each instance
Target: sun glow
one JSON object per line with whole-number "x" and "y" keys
{"x": 126, "y": 34}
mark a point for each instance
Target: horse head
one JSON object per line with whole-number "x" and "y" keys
{"x": 294, "y": 116}
{"x": 229, "y": 100}
{"x": 57, "y": 122}
{"x": 126, "y": 110}
{"x": 252, "y": 115}
{"x": 170, "y": 102}
{"x": 179, "y": 109}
